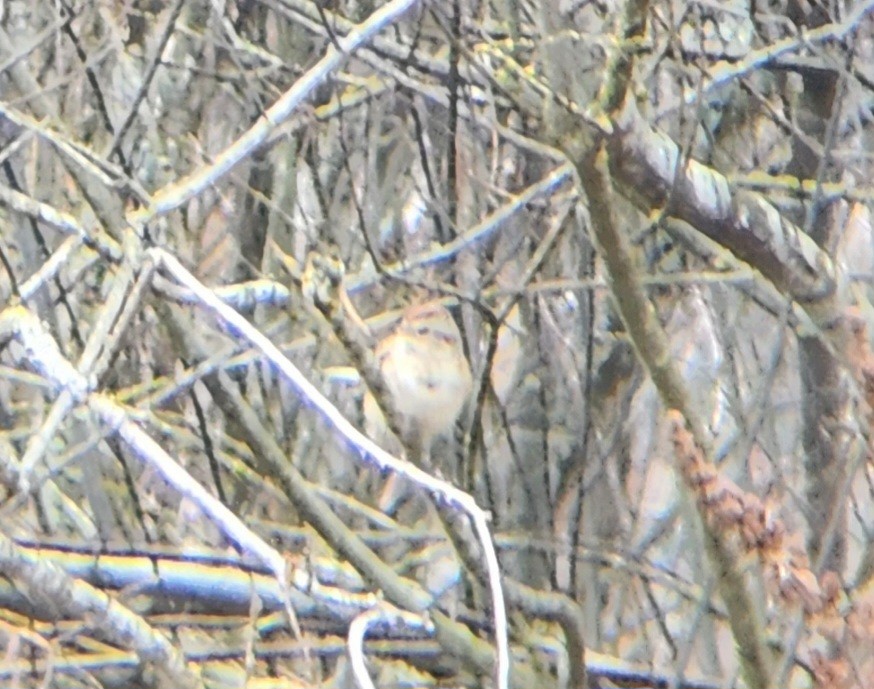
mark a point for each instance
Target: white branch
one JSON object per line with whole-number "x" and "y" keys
{"x": 172, "y": 196}
{"x": 357, "y": 439}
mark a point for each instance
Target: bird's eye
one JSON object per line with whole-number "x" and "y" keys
{"x": 423, "y": 330}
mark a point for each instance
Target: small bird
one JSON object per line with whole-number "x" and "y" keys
{"x": 425, "y": 371}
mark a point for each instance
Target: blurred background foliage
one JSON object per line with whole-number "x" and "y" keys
{"x": 431, "y": 165}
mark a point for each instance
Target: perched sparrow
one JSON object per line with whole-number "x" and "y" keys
{"x": 424, "y": 369}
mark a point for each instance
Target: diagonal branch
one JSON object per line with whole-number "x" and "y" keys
{"x": 644, "y": 162}
{"x": 174, "y": 195}
{"x": 370, "y": 449}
